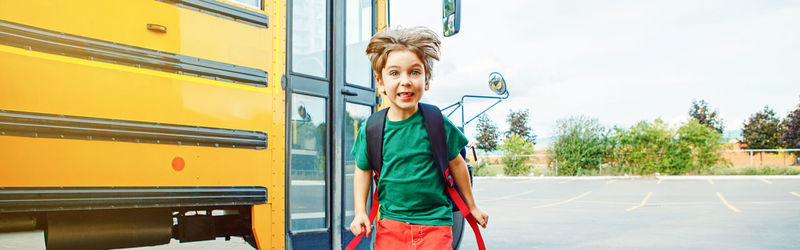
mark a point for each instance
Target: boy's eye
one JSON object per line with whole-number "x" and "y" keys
{"x": 416, "y": 72}
{"x": 393, "y": 73}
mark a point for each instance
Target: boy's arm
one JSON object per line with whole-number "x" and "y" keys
{"x": 361, "y": 181}
{"x": 458, "y": 168}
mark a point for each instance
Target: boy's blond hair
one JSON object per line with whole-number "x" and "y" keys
{"x": 419, "y": 40}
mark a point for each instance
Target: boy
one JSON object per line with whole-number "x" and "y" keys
{"x": 415, "y": 211}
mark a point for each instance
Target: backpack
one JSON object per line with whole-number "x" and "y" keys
{"x": 434, "y": 125}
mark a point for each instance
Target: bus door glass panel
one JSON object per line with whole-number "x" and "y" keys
{"x": 355, "y": 115}
{"x": 256, "y": 4}
{"x": 308, "y": 163}
{"x": 357, "y": 34}
{"x": 309, "y": 38}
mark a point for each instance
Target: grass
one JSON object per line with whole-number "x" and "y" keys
{"x": 497, "y": 170}
{"x": 755, "y": 170}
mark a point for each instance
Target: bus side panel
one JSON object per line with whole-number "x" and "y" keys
{"x": 188, "y": 32}
{"x": 269, "y": 219}
{"x": 47, "y": 83}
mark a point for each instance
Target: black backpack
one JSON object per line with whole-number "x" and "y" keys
{"x": 434, "y": 125}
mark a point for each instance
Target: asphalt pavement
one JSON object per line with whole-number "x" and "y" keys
{"x": 698, "y": 212}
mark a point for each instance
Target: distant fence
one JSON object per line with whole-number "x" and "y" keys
{"x": 773, "y": 157}
{"x": 740, "y": 157}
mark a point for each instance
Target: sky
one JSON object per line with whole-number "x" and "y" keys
{"x": 619, "y": 61}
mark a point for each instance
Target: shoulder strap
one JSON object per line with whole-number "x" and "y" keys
{"x": 434, "y": 125}
{"x": 374, "y": 134}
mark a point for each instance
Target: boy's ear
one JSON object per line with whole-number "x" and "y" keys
{"x": 427, "y": 85}
{"x": 380, "y": 88}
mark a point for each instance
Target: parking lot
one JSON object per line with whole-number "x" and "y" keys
{"x": 721, "y": 212}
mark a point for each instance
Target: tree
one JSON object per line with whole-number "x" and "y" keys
{"x": 648, "y": 148}
{"x": 761, "y": 130}
{"x": 790, "y": 132}
{"x": 579, "y": 146}
{"x": 704, "y": 144}
{"x": 703, "y": 114}
{"x": 487, "y": 133}
{"x": 514, "y": 147}
{"x": 518, "y": 124}
{"x": 791, "y": 129}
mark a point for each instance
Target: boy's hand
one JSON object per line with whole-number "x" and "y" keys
{"x": 360, "y": 222}
{"x": 481, "y": 217}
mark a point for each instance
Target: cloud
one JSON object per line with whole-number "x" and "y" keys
{"x": 619, "y": 61}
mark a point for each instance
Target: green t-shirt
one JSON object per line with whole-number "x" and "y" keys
{"x": 410, "y": 188}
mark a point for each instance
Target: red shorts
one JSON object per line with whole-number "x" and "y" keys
{"x": 392, "y": 234}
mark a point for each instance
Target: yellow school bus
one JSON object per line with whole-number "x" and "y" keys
{"x": 134, "y": 122}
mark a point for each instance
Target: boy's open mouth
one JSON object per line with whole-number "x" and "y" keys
{"x": 405, "y": 94}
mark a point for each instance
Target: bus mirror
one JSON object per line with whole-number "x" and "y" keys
{"x": 497, "y": 83}
{"x": 301, "y": 111}
{"x": 451, "y": 17}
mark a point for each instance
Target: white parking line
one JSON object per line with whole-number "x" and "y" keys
{"x": 727, "y": 203}
{"x": 611, "y": 181}
{"x": 795, "y": 194}
{"x": 765, "y": 180}
{"x": 659, "y": 181}
{"x": 710, "y": 181}
{"x": 641, "y": 204}
{"x": 509, "y": 196}
{"x": 565, "y": 201}
{"x": 562, "y": 182}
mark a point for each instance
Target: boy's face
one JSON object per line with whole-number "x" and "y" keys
{"x": 403, "y": 80}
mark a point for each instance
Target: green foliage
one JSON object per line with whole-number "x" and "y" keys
{"x": 761, "y": 130}
{"x": 580, "y": 145}
{"x": 514, "y": 146}
{"x": 704, "y": 144}
{"x": 481, "y": 167}
{"x": 487, "y": 134}
{"x": 648, "y": 148}
{"x": 703, "y": 114}
{"x": 790, "y": 134}
{"x": 518, "y": 124}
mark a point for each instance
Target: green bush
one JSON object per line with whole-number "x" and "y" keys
{"x": 704, "y": 144}
{"x": 648, "y": 148}
{"x": 583, "y": 146}
{"x": 481, "y": 167}
{"x": 514, "y": 146}
{"x": 580, "y": 145}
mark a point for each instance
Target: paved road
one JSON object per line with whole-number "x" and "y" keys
{"x": 667, "y": 213}
{"x": 602, "y": 213}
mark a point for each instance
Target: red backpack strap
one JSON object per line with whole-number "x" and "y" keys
{"x": 462, "y": 207}
{"x": 373, "y": 212}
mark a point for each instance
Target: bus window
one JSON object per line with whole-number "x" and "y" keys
{"x": 358, "y": 32}
{"x": 309, "y": 38}
{"x": 355, "y": 115}
{"x": 308, "y": 163}
{"x": 256, "y": 4}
